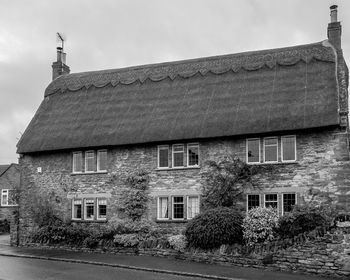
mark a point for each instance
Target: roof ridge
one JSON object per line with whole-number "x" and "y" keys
{"x": 249, "y": 61}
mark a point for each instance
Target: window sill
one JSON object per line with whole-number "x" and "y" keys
{"x": 88, "y": 221}
{"x": 172, "y": 221}
{"x": 88, "y": 173}
{"x": 8, "y": 206}
{"x": 273, "y": 163}
{"x": 178, "y": 168}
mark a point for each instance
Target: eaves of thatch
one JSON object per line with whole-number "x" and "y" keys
{"x": 240, "y": 94}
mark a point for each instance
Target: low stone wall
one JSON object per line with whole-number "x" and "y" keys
{"x": 318, "y": 252}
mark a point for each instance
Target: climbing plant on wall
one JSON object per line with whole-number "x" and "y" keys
{"x": 135, "y": 198}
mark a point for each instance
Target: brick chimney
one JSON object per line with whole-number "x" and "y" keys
{"x": 59, "y": 67}
{"x": 334, "y": 28}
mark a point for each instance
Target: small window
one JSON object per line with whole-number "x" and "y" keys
{"x": 163, "y": 213}
{"x": 271, "y": 200}
{"x": 192, "y": 155}
{"x": 271, "y": 149}
{"x": 178, "y": 208}
{"x": 178, "y": 155}
{"x": 288, "y": 148}
{"x": 192, "y": 206}
{"x": 77, "y": 213}
{"x": 77, "y": 162}
{"x": 163, "y": 156}
{"x": 253, "y": 200}
{"x": 90, "y": 161}
{"x": 253, "y": 150}
{"x": 89, "y": 209}
{"x": 289, "y": 200}
{"x": 4, "y": 197}
{"x": 8, "y": 197}
{"x": 102, "y": 209}
{"x": 102, "y": 160}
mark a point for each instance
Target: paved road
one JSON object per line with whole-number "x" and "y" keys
{"x": 31, "y": 269}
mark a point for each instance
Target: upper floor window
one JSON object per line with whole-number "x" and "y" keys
{"x": 8, "y": 197}
{"x": 271, "y": 149}
{"x": 192, "y": 155}
{"x": 253, "y": 150}
{"x": 163, "y": 156}
{"x": 178, "y": 155}
{"x": 89, "y": 161}
{"x": 288, "y": 150}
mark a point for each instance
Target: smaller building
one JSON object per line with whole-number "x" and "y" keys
{"x": 9, "y": 183}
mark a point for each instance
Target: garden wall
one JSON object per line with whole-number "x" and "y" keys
{"x": 318, "y": 252}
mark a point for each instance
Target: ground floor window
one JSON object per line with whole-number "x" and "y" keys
{"x": 274, "y": 200}
{"x": 8, "y": 197}
{"x": 177, "y": 207}
{"x": 89, "y": 209}
{"x": 271, "y": 200}
{"x": 253, "y": 200}
{"x": 289, "y": 200}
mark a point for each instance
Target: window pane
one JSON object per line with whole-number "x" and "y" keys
{"x": 77, "y": 209}
{"x": 193, "y": 155}
{"x": 90, "y": 161}
{"x": 163, "y": 208}
{"x": 89, "y": 208}
{"x": 102, "y": 161}
{"x": 253, "y": 201}
{"x": 4, "y": 197}
{"x": 78, "y": 162}
{"x": 270, "y": 146}
{"x": 163, "y": 160}
{"x": 288, "y": 202}
{"x": 178, "y": 207}
{"x": 271, "y": 200}
{"x": 253, "y": 150}
{"x": 102, "y": 208}
{"x": 288, "y": 148}
{"x": 193, "y": 207}
{"x": 178, "y": 155}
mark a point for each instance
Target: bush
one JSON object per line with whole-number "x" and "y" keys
{"x": 4, "y": 226}
{"x": 127, "y": 240}
{"x": 214, "y": 227}
{"x": 305, "y": 218}
{"x": 178, "y": 242}
{"x": 259, "y": 225}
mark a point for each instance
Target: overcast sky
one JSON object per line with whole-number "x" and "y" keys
{"x": 103, "y": 34}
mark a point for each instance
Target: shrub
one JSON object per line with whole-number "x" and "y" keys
{"x": 214, "y": 227}
{"x": 178, "y": 242}
{"x": 4, "y": 226}
{"x": 127, "y": 240}
{"x": 305, "y": 218}
{"x": 259, "y": 225}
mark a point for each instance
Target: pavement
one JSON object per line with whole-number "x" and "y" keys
{"x": 150, "y": 264}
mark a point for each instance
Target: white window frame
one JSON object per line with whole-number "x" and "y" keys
{"x": 295, "y": 148}
{"x": 266, "y": 138}
{"x": 247, "y": 150}
{"x": 74, "y": 162}
{"x": 187, "y": 206}
{"x": 172, "y": 208}
{"x": 172, "y": 155}
{"x": 260, "y": 200}
{"x": 85, "y": 211}
{"x": 98, "y": 209}
{"x": 82, "y": 212}
{"x": 98, "y": 160}
{"x": 159, "y": 210}
{"x": 158, "y": 156}
{"x": 5, "y": 192}
{"x": 277, "y": 208}
{"x": 86, "y": 159}
{"x": 282, "y": 198}
{"x": 188, "y": 156}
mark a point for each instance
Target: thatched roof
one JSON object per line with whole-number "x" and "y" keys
{"x": 248, "y": 93}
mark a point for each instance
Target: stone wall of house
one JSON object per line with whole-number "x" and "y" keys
{"x": 9, "y": 180}
{"x": 320, "y": 172}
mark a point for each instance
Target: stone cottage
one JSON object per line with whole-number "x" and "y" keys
{"x": 9, "y": 183}
{"x": 285, "y": 107}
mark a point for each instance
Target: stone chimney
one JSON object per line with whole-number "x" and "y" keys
{"x": 334, "y": 28}
{"x": 59, "y": 67}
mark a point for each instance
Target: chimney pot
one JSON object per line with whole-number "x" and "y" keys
{"x": 334, "y": 13}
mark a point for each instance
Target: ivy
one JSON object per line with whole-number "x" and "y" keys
{"x": 135, "y": 198}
